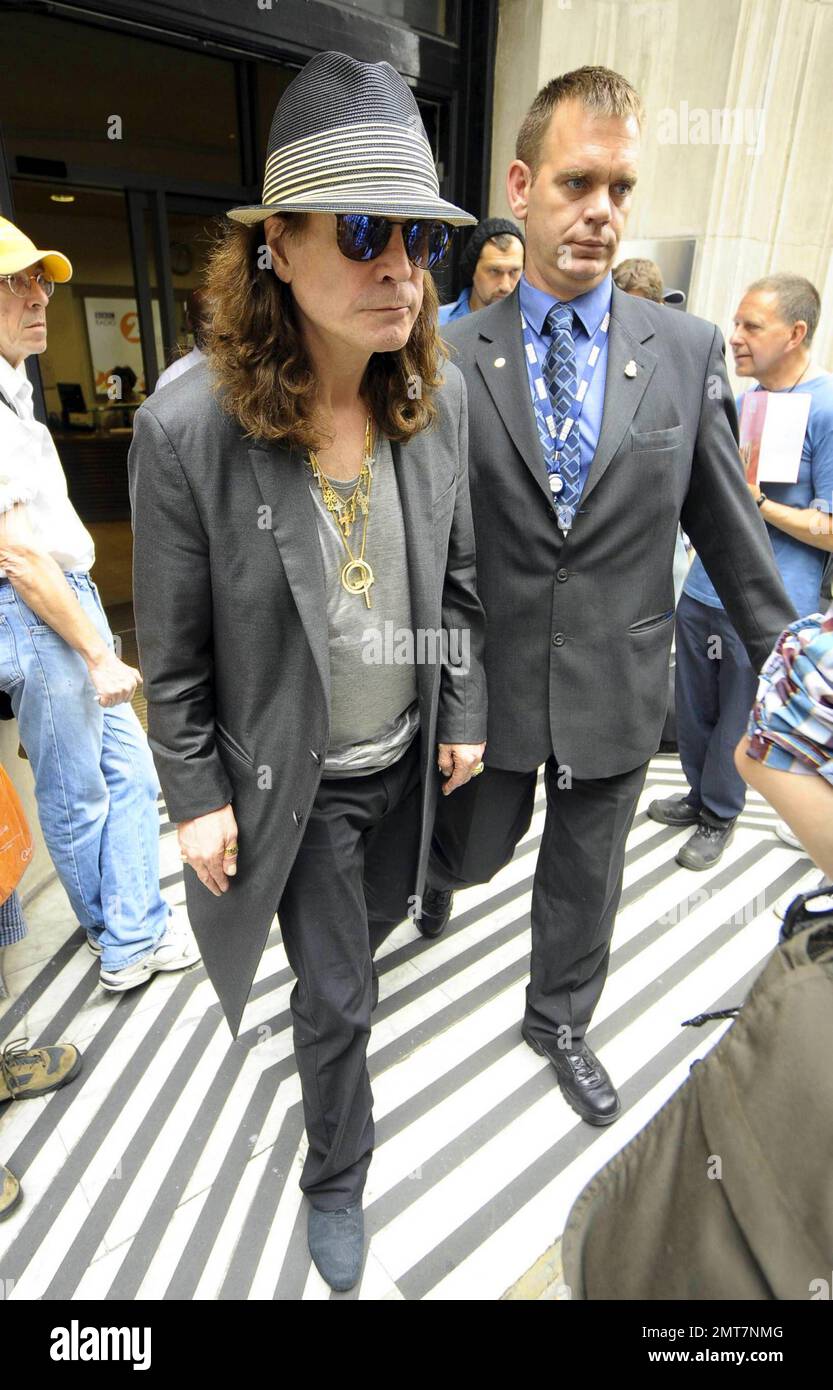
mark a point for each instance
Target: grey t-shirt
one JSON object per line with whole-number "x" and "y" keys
{"x": 373, "y": 702}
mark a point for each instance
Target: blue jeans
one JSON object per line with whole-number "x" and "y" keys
{"x": 95, "y": 782}
{"x": 714, "y": 690}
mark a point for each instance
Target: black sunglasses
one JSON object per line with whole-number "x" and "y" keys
{"x": 363, "y": 236}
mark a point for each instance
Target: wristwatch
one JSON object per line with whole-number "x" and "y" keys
{"x": 759, "y": 501}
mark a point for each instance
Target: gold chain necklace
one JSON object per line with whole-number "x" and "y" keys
{"x": 356, "y": 573}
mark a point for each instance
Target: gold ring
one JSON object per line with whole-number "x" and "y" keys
{"x": 230, "y": 850}
{"x": 477, "y": 771}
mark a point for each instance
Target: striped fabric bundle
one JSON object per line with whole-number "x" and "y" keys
{"x": 791, "y": 724}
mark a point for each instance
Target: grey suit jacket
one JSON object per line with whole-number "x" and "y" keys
{"x": 231, "y": 621}
{"x": 579, "y": 628}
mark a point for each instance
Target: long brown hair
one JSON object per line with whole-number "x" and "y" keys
{"x": 261, "y": 368}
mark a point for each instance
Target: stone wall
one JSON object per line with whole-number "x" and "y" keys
{"x": 739, "y": 103}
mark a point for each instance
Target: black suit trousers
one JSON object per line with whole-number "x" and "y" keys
{"x": 348, "y": 888}
{"x": 577, "y": 882}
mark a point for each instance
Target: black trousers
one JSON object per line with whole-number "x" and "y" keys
{"x": 347, "y": 890}
{"x": 716, "y": 685}
{"x": 577, "y": 882}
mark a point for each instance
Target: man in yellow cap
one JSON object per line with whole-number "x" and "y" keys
{"x": 95, "y": 782}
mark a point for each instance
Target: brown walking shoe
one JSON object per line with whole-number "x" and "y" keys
{"x": 26, "y": 1072}
{"x": 10, "y": 1192}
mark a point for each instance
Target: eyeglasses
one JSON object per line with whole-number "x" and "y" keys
{"x": 362, "y": 236}
{"x": 20, "y": 282}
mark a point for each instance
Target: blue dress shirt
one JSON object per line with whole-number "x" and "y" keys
{"x": 456, "y": 310}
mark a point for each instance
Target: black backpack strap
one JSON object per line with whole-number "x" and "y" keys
{"x": 700, "y": 1019}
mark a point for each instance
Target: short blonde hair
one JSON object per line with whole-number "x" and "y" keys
{"x": 598, "y": 89}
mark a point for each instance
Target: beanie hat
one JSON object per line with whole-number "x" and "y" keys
{"x": 483, "y": 232}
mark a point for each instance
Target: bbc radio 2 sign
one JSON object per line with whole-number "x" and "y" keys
{"x": 115, "y": 340}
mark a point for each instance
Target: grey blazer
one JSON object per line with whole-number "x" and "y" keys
{"x": 579, "y": 628}
{"x": 231, "y": 624}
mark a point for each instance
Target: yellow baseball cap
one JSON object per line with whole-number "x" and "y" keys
{"x": 17, "y": 252}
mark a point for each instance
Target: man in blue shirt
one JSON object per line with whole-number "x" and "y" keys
{"x": 716, "y": 683}
{"x": 490, "y": 267}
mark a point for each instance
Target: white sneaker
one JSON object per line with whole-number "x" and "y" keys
{"x": 781, "y": 904}
{"x": 175, "y": 950}
{"x": 784, "y": 833}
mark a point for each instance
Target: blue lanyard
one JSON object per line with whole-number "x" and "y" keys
{"x": 556, "y": 443}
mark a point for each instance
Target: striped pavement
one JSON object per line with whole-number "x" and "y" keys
{"x": 169, "y": 1169}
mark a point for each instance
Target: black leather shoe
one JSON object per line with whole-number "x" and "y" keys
{"x": 674, "y": 810}
{"x": 706, "y": 846}
{"x": 585, "y": 1085}
{"x": 436, "y": 911}
{"x": 336, "y": 1243}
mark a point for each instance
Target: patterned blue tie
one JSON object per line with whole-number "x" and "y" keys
{"x": 559, "y": 373}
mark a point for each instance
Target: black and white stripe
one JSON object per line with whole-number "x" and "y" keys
{"x": 371, "y": 155}
{"x": 170, "y": 1168}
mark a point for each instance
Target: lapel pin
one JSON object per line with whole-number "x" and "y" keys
{"x": 630, "y": 368}
{"x": 500, "y": 361}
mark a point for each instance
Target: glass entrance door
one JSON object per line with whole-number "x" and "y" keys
{"x": 193, "y": 226}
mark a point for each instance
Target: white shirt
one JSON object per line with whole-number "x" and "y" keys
{"x": 31, "y": 472}
{"x": 182, "y": 364}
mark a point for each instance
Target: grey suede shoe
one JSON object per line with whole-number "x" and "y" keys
{"x": 336, "y": 1243}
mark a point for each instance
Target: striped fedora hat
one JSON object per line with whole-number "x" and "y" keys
{"x": 348, "y": 137}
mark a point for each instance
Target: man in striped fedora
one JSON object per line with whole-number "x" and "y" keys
{"x": 290, "y": 506}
